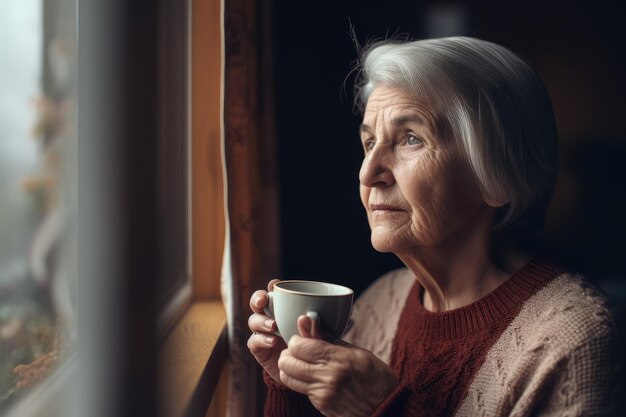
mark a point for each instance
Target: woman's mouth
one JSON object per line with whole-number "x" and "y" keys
{"x": 381, "y": 209}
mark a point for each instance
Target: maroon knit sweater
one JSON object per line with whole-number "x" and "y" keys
{"x": 435, "y": 355}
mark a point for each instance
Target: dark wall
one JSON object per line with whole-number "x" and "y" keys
{"x": 577, "y": 50}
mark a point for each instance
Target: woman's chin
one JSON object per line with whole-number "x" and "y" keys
{"x": 395, "y": 242}
{"x": 383, "y": 244}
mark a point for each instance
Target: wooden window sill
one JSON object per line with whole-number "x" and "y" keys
{"x": 191, "y": 360}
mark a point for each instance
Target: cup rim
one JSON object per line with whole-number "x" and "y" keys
{"x": 349, "y": 291}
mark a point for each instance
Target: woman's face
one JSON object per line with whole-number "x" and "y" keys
{"x": 416, "y": 186}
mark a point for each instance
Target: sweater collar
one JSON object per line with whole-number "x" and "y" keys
{"x": 500, "y": 304}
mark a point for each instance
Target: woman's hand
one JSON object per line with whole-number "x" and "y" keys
{"x": 263, "y": 343}
{"x": 339, "y": 379}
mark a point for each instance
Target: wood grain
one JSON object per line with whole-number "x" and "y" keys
{"x": 207, "y": 182}
{"x": 191, "y": 360}
{"x": 217, "y": 408}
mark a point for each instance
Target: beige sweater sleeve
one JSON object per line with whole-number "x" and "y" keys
{"x": 556, "y": 358}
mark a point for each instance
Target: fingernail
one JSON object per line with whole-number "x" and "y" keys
{"x": 269, "y": 340}
{"x": 268, "y": 324}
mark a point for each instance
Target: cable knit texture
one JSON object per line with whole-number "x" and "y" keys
{"x": 541, "y": 344}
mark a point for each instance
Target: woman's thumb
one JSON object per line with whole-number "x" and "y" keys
{"x": 308, "y": 326}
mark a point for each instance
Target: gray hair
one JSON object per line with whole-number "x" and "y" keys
{"x": 491, "y": 101}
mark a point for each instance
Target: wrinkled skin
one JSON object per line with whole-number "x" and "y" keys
{"x": 420, "y": 178}
{"x": 424, "y": 205}
{"x": 341, "y": 380}
{"x": 423, "y": 201}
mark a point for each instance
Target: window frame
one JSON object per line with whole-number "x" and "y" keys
{"x": 181, "y": 300}
{"x": 201, "y": 361}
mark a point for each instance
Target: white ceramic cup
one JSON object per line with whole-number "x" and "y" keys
{"x": 329, "y": 304}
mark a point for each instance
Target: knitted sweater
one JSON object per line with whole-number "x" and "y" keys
{"x": 541, "y": 344}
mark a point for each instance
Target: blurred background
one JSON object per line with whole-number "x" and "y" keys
{"x": 37, "y": 194}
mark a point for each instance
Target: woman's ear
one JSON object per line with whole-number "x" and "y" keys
{"x": 495, "y": 202}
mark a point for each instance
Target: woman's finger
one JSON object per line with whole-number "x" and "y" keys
{"x": 270, "y": 285}
{"x": 308, "y": 327}
{"x": 260, "y": 323}
{"x": 258, "y": 342}
{"x": 309, "y": 350}
{"x": 294, "y": 384}
{"x": 258, "y": 300}
{"x": 296, "y": 368}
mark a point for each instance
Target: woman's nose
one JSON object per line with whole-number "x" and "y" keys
{"x": 376, "y": 168}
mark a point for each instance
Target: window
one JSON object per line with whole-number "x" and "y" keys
{"x": 174, "y": 163}
{"x": 107, "y": 182}
{"x": 38, "y": 194}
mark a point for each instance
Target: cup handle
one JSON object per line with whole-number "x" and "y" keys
{"x": 269, "y": 310}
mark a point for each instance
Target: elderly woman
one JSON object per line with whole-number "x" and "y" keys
{"x": 460, "y": 164}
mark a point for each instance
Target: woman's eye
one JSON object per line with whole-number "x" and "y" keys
{"x": 413, "y": 140}
{"x": 369, "y": 144}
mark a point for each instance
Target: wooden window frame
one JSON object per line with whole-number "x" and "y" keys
{"x": 193, "y": 355}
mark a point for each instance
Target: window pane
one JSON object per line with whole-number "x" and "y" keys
{"x": 37, "y": 191}
{"x": 173, "y": 149}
